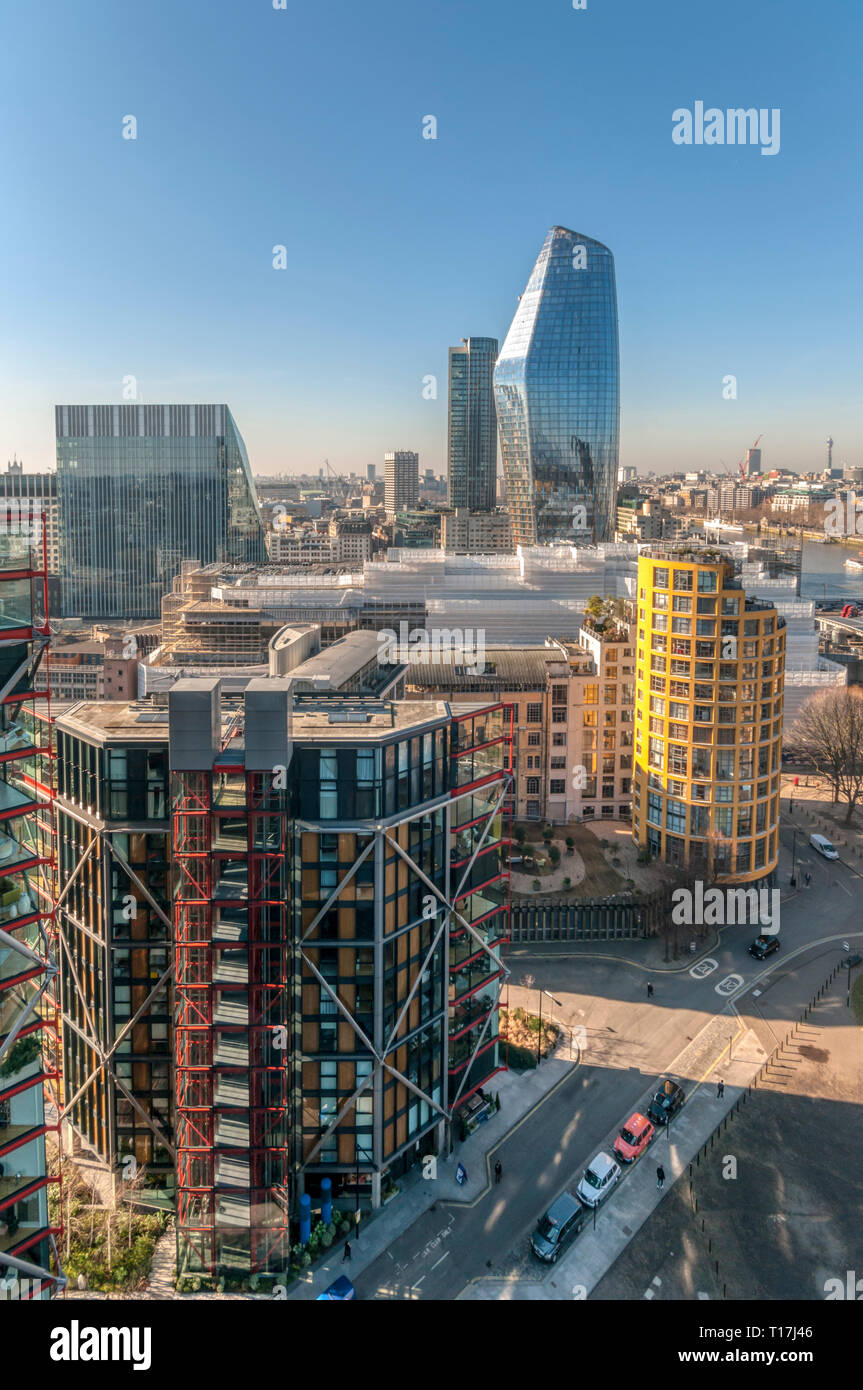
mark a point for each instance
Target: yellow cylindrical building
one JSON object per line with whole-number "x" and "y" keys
{"x": 708, "y": 742}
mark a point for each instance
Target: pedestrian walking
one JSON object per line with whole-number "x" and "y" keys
{"x": 347, "y": 1251}
{"x": 650, "y": 991}
{"x": 791, "y": 805}
{"x": 720, "y": 1089}
{"x": 660, "y": 1177}
{"x": 808, "y": 878}
{"x": 498, "y": 1171}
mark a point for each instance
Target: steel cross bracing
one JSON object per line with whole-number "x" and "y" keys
{"x": 105, "y": 1056}
{"x": 450, "y": 911}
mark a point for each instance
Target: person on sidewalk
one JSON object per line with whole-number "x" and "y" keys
{"x": 720, "y": 1089}
{"x": 660, "y": 1177}
{"x": 498, "y": 1171}
{"x": 649, "y": 990}
{"x": 808, "y": 878}
{"x": 347, "y": 1251}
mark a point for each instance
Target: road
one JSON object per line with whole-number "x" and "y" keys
{"x": 628, "y": 1040}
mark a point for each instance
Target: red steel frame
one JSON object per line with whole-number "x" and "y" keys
{"x": 197, "y": 857}
{"x": 502, "y": 878}
{"x": 41, "y": 815}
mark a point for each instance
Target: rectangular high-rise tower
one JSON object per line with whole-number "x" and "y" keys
{"x": 472, "y": 432}
{"x": 401, "y": 486}
{"x": 142, "y": 488}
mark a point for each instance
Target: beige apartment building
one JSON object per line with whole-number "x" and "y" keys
{"x": 464, "y": 532}
{"x": 574, "y": 708}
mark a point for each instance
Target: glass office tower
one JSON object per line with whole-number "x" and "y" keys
{"x": 141, "y": 488}
{"x": 472, "y": 437}
{"x": 556, "y": 386}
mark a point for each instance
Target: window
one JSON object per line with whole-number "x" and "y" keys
{"x": 532, "y": 786}
{"x": 660, "y": 578}
{"x": 534, "y": 714}
{"x": 707, "y": 581}
{"x": 558, "y": 694}
{"x": 558, "y": 762}
{"x": 558, "y": 716}
{"x": 558, "y": 740}
{"x": 533, "y": 740}
{"x": 591, "y": 694}
{"x": 682, "y": 603}
{"x": 683, "y": 579}
{"x": 557, "y": 786}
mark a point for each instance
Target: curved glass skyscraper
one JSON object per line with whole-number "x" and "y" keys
{"x": 556, "y": 387}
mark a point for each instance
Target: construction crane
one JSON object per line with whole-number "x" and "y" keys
{"x": 740, "y": 468}
{"x": 340, "y": 486}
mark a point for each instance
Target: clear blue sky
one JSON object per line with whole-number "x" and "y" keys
{"x": 257, "y": 126}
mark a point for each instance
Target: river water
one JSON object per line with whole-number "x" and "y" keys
{"x": 824, "y": 574}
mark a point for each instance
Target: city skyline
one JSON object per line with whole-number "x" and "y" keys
{"x": 718, "y": 272}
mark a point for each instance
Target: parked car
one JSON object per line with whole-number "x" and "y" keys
{"x": 599, "y": 1178}
{"x": 666, "y": 1102}
{"x": 337, "y": 1292}
{"x": 560, "y": 1224}
{"x": 634, "y": 1138}
{"x": 764, "y": 946}
{"x": 823, "y": 846}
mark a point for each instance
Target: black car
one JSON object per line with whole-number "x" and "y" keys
{"x": 764, "y": 946}
{"x": 563, "y": 1220}
{"x": 666, "y": 1102}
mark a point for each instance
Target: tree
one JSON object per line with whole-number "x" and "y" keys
{"x": 570, "y": 844}
{"x": 520, "y": 834}
{"x": 594, "y": 606}
{"x": 829, "y": 728}
{"x": 554, "y": 855}
{"x": 547, "y": 835}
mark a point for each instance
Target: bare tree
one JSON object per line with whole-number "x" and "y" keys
{"x": 829, "y": 728}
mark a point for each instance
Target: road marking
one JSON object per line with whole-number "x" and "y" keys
{"x": 704, "y": 968}
{"x": 729, "y": 984}
{"x": 704, "y": 1296}
{"x": 844, "y": 888}
{"x": 648, "y": 1293}
{"x": 438, "y": 1262}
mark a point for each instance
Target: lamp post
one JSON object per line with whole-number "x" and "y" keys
{"x": 793, "y": 857}
{"x": 539, "y": 1038}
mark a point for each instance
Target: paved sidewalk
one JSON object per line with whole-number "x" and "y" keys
{"x": 519, "y": 1094}
{"x": 636, "y": 1197}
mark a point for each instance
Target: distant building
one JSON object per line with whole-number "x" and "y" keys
{"x": 557, "y": 390}
{"x": 401, "y": 489}
{"x": 472, "y": 432}
{"x": 39, "y": 492}
{"x": 753, "y": 462}
{"x": 140, "y": 489}
{"x": 464, "y": 532}
{"x": 93, "y": 669}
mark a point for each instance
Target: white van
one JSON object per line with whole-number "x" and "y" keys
{"x": 823, "y": 846}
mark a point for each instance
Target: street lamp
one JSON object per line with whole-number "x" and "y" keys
{"x": 849, "y": 964}
{"x": 793, "y": 857}
{"x": 539, "y": 1035}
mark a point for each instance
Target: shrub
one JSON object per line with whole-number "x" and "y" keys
{"x": 567, "y": 883}
{"x": 22, "y": 1052}
{"x": 570, "y": 843}
{"x": 536, "y": 885}
{"x": 521, "y": 1058}
{"x": 554, "y": 855}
